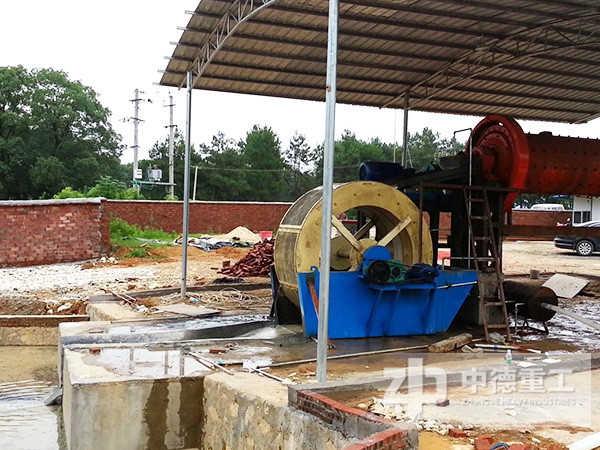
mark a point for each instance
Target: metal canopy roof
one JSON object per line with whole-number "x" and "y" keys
{"x": 529, "y": 59}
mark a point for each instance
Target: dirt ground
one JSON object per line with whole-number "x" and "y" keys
{"x": 72, "y": 282}
{"x": 521, "y": 256}
{"x": 77, "y": 281}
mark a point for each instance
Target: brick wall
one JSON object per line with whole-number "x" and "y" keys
{"x": 222, "y": 217}
{"x": 381, "y": 434}
{"x": 205, "y": 217}
{"x": 52, "y": 231}
{"x": 519, "y": 217}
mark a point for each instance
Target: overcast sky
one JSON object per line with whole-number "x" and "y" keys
{"x": 118, "y": 46}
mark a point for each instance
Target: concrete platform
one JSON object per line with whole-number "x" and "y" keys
{"x": 148, "y": 392}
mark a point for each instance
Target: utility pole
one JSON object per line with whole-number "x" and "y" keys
{"x": 136, "y": 123}
{"x": 171, "y": 128}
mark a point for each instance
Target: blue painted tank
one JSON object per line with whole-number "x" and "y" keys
{"x": 359, "y": 308}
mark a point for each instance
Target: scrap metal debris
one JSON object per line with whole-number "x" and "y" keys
{"x": 255, "y": 264}
{"x": 208, "y": 243}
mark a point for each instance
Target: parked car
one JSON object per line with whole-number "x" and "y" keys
{"x": 582, "y": 245}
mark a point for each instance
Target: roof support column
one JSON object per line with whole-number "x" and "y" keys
{"x": 186, "y": 185}
{"x": 405, "y": 130}
{"x": 331, "y": 91}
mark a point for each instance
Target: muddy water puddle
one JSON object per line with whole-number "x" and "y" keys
{"x": 27, "y": 378}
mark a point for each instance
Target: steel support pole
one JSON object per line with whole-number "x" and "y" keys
{"x": 186, "y": 186}
{"x": 136, "y": 124}
{"x": 405, "y": 131}
{"x": 171, "y": 153}
{"x": 195, "y": 182}
{"x": 331, "y": 91}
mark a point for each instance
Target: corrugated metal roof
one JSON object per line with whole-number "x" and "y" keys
{"x": 529, "y": 59}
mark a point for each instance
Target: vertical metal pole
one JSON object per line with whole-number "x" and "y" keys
{"x": 331, "y": 91}
{"x": 186, "y": 186}
{"x": 171, "y": 153}
{"x": 405, "y": 130}
{"x": 136, "y": 122}
{"x": 195, "y": 182}
{"x": 395, "y": 134}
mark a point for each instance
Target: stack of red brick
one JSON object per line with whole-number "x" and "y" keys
{"x": 255, "y": 264}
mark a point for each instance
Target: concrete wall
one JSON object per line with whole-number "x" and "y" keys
{"x": 106, "y": 408}
{"x": 205, "y": 217}
{"x": 52, "y": 231}
{"x": 246, "y": 411}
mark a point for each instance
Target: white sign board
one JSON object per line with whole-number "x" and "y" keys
{"x": 565, "y": 286}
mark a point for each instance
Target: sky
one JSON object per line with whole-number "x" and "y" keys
{"x": 118, "y": 46}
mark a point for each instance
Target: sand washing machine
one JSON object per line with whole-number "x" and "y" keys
{"x": 385, "y": 280}
{"x": 382, "y": 282}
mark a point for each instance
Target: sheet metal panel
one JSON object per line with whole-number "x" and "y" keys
{"x": 388, "y": 47}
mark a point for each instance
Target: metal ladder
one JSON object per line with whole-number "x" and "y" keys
{"x": 488, "y": 263}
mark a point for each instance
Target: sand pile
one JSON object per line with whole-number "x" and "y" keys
{"x": 243, "y": 234}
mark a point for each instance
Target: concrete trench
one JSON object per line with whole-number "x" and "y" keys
{"x": 104, "y": 409}
{"x": 128, "y": 387}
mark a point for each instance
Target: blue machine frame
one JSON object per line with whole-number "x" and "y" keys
{"x": 359, "y": 309}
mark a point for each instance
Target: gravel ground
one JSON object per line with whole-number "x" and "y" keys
{"x": 77, "y": 281}
{"x": 521, "y": 256}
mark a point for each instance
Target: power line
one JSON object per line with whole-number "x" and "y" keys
{"x": 223, "y": 169}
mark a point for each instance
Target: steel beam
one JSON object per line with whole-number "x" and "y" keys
{"x": 186, "y": 184}
{"x": 316, "y": 86}
{"x": 473, "y": 64}
{"x": 327, "y": 204}
{"x": 395, "y": 54}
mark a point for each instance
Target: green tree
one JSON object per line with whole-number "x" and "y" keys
{"x": 350, "y": 153}
{"x": 222, "y": 171}
{"x": 261, "y": 152}
{"x": 53, "y": 133}
{"x": 301, "y": 159}
{"x": 427, "y": 147}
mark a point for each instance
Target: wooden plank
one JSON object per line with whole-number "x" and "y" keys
{"x": 189, "y": 310}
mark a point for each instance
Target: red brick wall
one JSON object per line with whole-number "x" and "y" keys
{"x": 222, "y": 217}
{"x": 205, "y": 217}
{"x": 386, "y": 434}
{"x": 51, "y": 231}
{"x": 519, "y": 217}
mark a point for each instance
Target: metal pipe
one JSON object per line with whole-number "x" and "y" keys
{"x": 405, "y": 130}
{"x": 195, "y": 182}
{"x": 572, "y": 315}
{"x": 331, "y": 91}
{"x": 136, "y": 124}
{"x": 350, "y": 355}
{"x": 186, "y": 185}
{"x": 171, "y": 152}
{"x": 469, "y": 203}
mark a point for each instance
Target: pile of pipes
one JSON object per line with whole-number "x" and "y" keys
{"x": 255, "y": 264}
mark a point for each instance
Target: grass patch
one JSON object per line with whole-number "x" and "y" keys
{"x": 125, "y": 236}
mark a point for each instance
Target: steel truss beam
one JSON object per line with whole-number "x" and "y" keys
{"x": 395, "y": 68}
{"x": 398, "y": 84}
{"x": 499, "y": 53}
{"x": 240, "y": 11}
{"x": 395, "y": 54}
{"x": 318, "y": 88}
